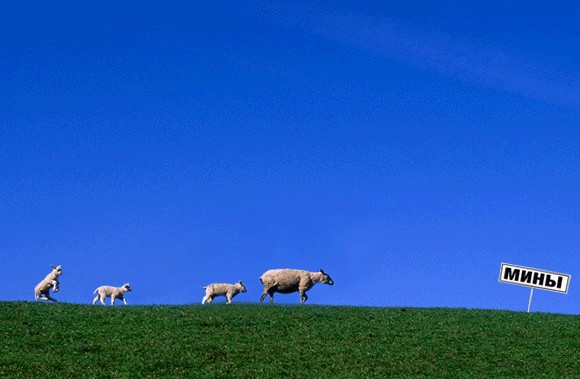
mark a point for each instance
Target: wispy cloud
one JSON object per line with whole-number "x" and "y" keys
{"x": 437, "y": 52}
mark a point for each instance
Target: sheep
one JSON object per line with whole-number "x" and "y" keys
{"x": 222, "y": 289}
{"x": 42, "y": 289}
{"x": 289, "y": 281}
{"x": 112, "y": 292}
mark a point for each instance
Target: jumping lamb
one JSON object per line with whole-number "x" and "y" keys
{"x": 112, "y": 292}
{"x": 42, "y": 289}
{"x": 289, "y": 281}
{"x": 222, "y": 289}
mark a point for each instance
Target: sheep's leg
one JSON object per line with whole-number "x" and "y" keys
{"x": 271, "y": 293}
{"x": 95, "y": 299}
{"x": 51, "y": 298}
{"x": 303, "y": 297}
{"x": 228, "y": 298}
{"x": 210, "y": 299}
{"x": 44, "y": 295}
{"x": 112, "y": 300}
{"x": 102, "y": 298}
{"x": 124, "y": 301}
{"x": 263, "y": 296}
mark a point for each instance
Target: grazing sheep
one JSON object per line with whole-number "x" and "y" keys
{"x": 42, "y": 289}
{"x": 289, "y": 281}
{"x": 222, "y": 289}
{"x": 112, "y": 292}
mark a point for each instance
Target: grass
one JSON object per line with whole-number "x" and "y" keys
{"x": 39, "y": 340}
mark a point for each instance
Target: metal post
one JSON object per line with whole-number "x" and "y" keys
{"x": 530, "y": 301}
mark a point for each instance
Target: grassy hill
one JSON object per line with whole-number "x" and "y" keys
{"x": 39, "y": 340}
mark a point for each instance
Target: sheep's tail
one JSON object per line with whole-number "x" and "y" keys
{"x": 95, "y": 291}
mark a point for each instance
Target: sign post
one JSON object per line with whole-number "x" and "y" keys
{"x": 534, "y": 278}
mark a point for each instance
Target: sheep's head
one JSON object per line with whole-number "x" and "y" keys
{"x": 57, "y": 269}
{"x": 241, "y": 286}
{"x": 325, "y": 278}
{"x": 127, "y": 287}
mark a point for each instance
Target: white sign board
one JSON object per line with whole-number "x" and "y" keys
{"x": 534, "y": 278}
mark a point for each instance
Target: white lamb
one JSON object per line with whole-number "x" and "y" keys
{"x": 42, "y": 289}
{"x": 112, "y": 292}
{"x": 289, "y": 281}
{"x": 222, "y": 289}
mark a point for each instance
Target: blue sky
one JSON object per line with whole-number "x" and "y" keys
{"x": 408, "y": 150}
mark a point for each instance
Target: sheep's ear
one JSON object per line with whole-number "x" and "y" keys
{"x": 322, "y": 271}
{"x": 241, "y": 282}
{"x": 52, "y": 266}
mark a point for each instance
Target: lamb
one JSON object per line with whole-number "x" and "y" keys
{"x": 42, "y": 289}
{"x": 222, "y": 289}
{"x": 289, "y": 281}
{"x": 112, "y": 292}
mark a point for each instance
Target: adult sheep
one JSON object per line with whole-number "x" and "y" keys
{"x": 290, "y": 280}
{"x": 112, "y": 292}
{"x": 42, "y": 289}
{"x": 222, "y": 289}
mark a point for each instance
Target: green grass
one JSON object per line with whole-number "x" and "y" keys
{"x": 39, "y": 340}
